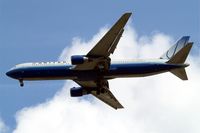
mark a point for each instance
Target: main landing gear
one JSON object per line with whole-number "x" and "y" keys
{"x": 100, "y": 91}
{"x": 21, "y": 82}
{"x": 102, "y": 86}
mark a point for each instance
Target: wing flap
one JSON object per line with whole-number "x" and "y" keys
{"x": 115, "y": 42}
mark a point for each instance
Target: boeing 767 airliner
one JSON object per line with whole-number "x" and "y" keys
{"x": 93, "y": 70}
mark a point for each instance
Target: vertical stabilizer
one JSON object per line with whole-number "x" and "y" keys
{"x": 181, "y": 56}
{"x": 175, "y": 48}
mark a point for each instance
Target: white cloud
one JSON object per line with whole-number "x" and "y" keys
{"x": 3, "y": 127}
{"x": 157, "y": 104}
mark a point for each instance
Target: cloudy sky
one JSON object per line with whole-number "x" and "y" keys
{"x": 55, "y": 30}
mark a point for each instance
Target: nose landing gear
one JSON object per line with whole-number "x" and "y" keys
{"x": 21, "y": 82}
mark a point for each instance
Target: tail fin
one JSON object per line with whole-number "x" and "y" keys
{"x": 177, "y": 54}
{"x": 181, "y": 55}
{"x": 175, "y": 48}
{"x": 180, "y": 73}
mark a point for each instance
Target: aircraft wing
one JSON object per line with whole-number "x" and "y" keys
{"x": 101, "y": 51}
{"x": 98, "y": 58}
{"x": 107, "y": 96}
{"x": 108, "y": 43}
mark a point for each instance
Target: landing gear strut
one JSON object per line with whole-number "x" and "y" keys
{"x": 100, "y": 90}
{"x": 21, "y": 82}
{"x": 101, "y": 87}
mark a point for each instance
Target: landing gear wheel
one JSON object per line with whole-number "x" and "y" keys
{"x": 21, "y": 83}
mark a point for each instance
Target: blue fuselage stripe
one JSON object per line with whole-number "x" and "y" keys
{"x": 116, "y": 70}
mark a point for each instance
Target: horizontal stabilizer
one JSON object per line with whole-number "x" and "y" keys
{"x": 180, "y": 73}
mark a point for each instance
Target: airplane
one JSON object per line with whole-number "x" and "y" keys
{"x": 93, "y": 70}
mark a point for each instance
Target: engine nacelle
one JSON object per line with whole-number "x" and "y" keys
{"x": 78, "y": 59}
{"x": 78, "y": 91}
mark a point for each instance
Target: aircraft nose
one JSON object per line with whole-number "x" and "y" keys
{"x": 9, "y": 73}
{"x": 12, "y": 74}
{"x": 15, "y": 73}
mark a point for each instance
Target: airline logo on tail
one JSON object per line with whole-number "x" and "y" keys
{"x": 177, "y": 54}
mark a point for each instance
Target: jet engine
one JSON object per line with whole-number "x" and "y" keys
{"x": 78, "y": 59}
{"x": 78, "y": 91}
